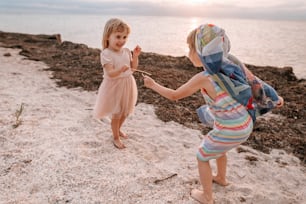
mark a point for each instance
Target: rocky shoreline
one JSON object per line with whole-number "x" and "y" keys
{"x": 77, "y": 65}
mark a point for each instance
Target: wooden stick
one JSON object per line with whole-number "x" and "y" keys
{"x": 160, "y": 180}
{"x": 147, "y": 73}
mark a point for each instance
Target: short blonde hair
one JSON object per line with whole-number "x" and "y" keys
{"x": 191, "y": 40}
{"x": 113, "y": 25}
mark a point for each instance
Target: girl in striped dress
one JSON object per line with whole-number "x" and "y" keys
{"x": 233, "y": 123}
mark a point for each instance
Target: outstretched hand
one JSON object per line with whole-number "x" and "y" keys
{"x": 136, "y": 51}
{"x": 148, "y": 81}
{"x": 280, "y": 103}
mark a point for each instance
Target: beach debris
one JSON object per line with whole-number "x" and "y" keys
{"x": 244, "y": 150}
{"x": 17, "y": 166}
{"x": 17, "y": 115}
{"x": 240, "y": 149}
{"x": 252, "y": 159}
{"x": 7, "y": 54}
{"x": 163, "y": 179}
{"x": 242, "y": 199}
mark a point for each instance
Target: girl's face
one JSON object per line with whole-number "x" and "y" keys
{"x": 194, "y": 58}
{"x": 117, "y": 40}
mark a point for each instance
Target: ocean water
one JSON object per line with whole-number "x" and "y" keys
{"x": 258, "y": 42}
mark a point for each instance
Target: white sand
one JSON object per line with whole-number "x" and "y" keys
{"x": 59, "y": 154}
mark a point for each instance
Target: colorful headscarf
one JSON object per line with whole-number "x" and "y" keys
{"x": 206, "y": 34}
{"x": 212, "y": 46}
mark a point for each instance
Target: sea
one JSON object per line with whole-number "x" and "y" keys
{"x": 253, "y": 41}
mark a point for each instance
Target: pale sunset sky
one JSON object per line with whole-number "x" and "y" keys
{"x": 260, "y": 9}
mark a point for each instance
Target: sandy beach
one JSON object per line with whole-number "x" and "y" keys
{"x": 53, "y": 151}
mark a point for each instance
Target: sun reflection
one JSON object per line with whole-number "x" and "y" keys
{"x": 197, "y": 1}
{"x": 194, "y": 22}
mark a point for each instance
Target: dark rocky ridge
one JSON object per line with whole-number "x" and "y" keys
{"x": 76, "y": 65}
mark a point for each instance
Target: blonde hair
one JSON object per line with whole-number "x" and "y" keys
{"x": 113, "y": 25}
{"x": 191, "y": 40}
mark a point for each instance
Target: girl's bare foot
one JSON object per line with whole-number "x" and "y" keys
{"x": 200, "y": 197}
{"x": 220, "y": 181}
{"x": 123, "y": 135}
{"x": 118, "y": 144}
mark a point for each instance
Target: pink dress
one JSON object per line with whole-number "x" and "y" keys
{"x": 118, "y": 95}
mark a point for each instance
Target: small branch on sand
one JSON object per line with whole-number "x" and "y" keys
{"x": 160, "y": 180}
{"x": 18, "y": 114}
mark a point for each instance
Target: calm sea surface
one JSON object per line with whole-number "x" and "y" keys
{"x": 258, "y": 42}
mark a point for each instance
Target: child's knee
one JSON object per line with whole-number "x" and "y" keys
{"x": 201, "y": 158}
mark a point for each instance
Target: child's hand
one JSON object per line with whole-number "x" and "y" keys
{"x": 280, "y": 103}
{"x": 148, "y": 81}
{"x": 124, "y": 68}
{"x": 136, "y": 51}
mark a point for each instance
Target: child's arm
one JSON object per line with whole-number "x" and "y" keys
{"x": 236, "y": 61}
{"x": 269, "y": 91}
{"x": 272, "y": 94}
{"x": 134, "y": 61}
{"x": 108, "y": 65}
{"x": 111, "y": 72}
{"x": 193, "y": 85}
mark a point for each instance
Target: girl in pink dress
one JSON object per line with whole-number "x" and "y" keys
{"x": 117, "y": 93}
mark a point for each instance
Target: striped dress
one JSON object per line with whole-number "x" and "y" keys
{"x": 233, "y": 125}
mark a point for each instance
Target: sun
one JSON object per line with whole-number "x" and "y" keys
{"x": 197, "y": 1}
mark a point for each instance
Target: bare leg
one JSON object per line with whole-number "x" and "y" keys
{"x": 122, "y": 134}
{"x": 220, "y": 178}
{"x": 115, "y": 128}
{"x": 205, "y": 196}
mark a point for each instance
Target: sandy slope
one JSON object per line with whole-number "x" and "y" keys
{"x": 59, "y": 154}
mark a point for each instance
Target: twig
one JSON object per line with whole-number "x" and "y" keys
{"x": 18, "y": 114}
{"x": 144, "y": 72}
{"x": 160, "y": 180}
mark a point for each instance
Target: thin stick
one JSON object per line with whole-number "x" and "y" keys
{"x": 160, "y": 180}
{"x": 147, "y": 73}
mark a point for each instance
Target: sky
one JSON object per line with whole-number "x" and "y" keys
{"x": 259, "y": 9}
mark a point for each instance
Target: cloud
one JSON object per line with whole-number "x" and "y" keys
{"x": 91, "y": 7}
{"x": 281, "y": 9}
